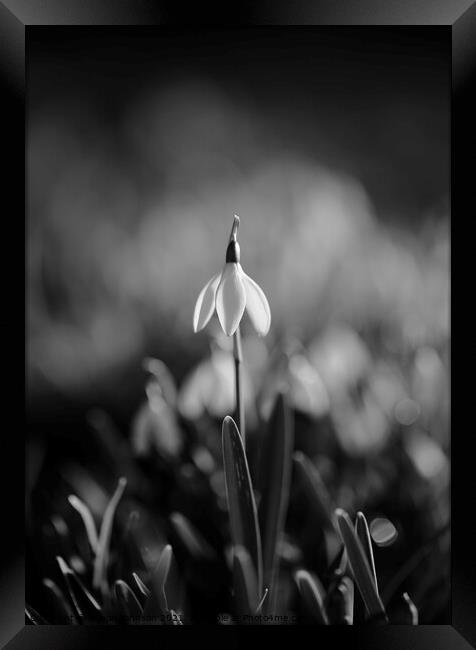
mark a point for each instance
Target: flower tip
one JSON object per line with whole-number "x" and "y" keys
{"x": 234, "y": 228}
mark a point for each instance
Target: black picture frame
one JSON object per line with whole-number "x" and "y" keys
{"x": 16, "y": 21}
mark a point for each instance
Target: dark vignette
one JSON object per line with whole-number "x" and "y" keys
{"x": 12, "y": 87}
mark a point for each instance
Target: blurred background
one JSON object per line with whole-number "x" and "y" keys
{"x": 332, "y": 144}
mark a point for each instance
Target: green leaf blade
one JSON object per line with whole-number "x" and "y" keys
{"x": 316, "y": 490}
{"x": 127, "y": 600}
{"x": 363, "y": 533}
{"x": 275, "y": 474}
{"x": 360, "y": 567}
{"x": 157, "y": 603}
{"x": 312, "y": 594}
{"x": 244, "y": 582}
{"x": 101, "y": 560}
{"x": 241, "y": 501}
{"x": 87, "y": 607}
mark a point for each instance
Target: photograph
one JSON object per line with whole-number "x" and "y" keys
{"x": 238, "y": 326}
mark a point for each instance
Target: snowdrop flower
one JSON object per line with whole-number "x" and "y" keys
{"x": 155, "y": 425}
{"x": 209, "y": 388}
{"x": 230, "y": 292}
{"x": 290, "y": 371}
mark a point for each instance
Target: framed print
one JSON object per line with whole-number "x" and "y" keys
{"x": 238, "y": 341}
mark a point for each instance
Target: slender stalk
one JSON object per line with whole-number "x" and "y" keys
{"x": 238, "y": 358}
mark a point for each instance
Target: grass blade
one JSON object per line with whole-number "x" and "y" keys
{"x": 33, "y": 616}
{"x": 360, "y": 567}
{"x": 128, "y": 602}
{"x": 275, "y": 473}
{"x": 346, "y": 589}
{"x": 363, "y": 533}
{"x": 241, "y": 502}
{"x": 162, "y": 572}
{"x": 312, "y": 594}
{"x": 319, "y": 497}
{"x": 191, "y": 538}
{"x": 100, "y": 563}
{"x": 157, "y": 603}
{"x": 262, "y": 601}
{"x": 88, "y": 521}
{"x": 412, "y": 608}
{"x": 244, "y": 582}
{"x": 60, "y": 604}
{"x": 145, "y": 591}
{"x": 86, "y": 605}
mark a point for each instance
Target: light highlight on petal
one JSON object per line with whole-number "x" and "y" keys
{"x": 230, "y": 298}
{"x": 205, "y": 303}
{"x": 256, "y": 305}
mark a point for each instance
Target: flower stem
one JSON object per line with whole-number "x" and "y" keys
{"x": 238, "y": 358}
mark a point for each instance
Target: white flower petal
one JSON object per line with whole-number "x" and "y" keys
{"x": 230, "y": 299}
{"x": 257, "y": 305}
{"x": 205, "y": 303}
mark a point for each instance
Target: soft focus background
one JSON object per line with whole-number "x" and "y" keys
{"x": 333, "y": 147}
